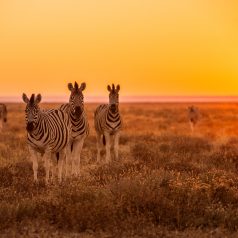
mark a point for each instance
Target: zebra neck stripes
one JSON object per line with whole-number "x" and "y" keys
{"x": 113, "y": 119}
{"x": 106, "y": 120}
{"x": 79, "y": 124}
{"x": 75, "y": 118}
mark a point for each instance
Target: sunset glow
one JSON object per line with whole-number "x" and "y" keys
{"x": 172, "y": 47}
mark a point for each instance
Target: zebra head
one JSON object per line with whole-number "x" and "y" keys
{"x": 32, "y": 109}
{"x": 191, "y": 109}
{"x": 113, "y": 97}
{"x": 76, "y": 98}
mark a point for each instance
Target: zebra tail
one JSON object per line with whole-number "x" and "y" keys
{"x": 72, "y": 147}
{"x": 103, "y": 140}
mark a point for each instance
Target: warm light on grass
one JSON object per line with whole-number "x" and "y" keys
{"x": 166, "y": 182}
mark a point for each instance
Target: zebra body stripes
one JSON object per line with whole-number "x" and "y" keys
{"x": 79, "y": 122}
{"x": 48, "y": 134}
{"x": 3, "y": 115}
{"x": 108, "y": 124}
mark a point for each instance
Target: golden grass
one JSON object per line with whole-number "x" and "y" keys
{"x": 166, "y": 183}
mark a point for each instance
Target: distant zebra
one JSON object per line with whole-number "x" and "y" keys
{"x": 80, "y": 126}
{"x": 3, "y": 115}
{"x": 193, "y": 116}
{"x": 108, "y": 123}
{"x": 48, "y": 134}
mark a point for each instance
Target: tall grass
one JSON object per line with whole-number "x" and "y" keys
{"x": 165, "y": 183}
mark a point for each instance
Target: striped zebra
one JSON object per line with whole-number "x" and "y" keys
{"x": 48, "y": 134}
{"x": 193, "y": 116}
{"x": 108, "y": 123}
{"x": 80, "y": 126}
{"x": 3, "y": 115}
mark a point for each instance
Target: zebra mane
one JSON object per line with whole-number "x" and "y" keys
{"x": 32, "y": 99}
{"x": 113, "y": 88}
{"x": 76, "y": 86}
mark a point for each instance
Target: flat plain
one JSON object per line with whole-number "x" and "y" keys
{"x": 167, "y": 182}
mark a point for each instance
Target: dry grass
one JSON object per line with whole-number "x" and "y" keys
{"x": 167, "y": 182}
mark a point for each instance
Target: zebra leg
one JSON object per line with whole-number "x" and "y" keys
{"x": 78, "y": 146}
{"x": 108, "y": 147}
{"x": 74, "y": 158}
{"x": 34, "y": 159}
{"x": 116, "y": 145}
{"x": 192, "y": 126}
{"x": 72, "y": 162}
{"x": 68, "y": 160}
{"x": 47, "y": 157}
{"x": 62, "y": 157}
{"x": 52, "y": 167}
{"x": 1, "y": 124}
{"x": 60, "y": 169}
{"x": 99, "y": 142}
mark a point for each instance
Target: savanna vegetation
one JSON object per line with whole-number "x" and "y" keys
{"x": 167, "y": 182}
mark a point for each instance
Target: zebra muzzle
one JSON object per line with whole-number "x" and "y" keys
{"x": 30, "y": 126}
{"x": 113, "y": 107}
{"x": 78, "y": 111}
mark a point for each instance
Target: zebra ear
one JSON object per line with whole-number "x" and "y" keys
{"x": 118, "y": 88}
{"x": 83, "y": 86}
{"x": 76, "y": 86}
{"x": 70, "y": 86}
{"x": 38, "y": 99}
{"x": 25, "y": 98}
{"x": 32, "y": 99}
{"x": 109, "y": 88}
{"x": 113, "y": 87}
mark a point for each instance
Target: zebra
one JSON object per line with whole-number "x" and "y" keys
{"x": 48, "y": 134}
{"x": 79, "y": 121}
{"x": 108, "y": 123}
{"x": 3, "y": 115}
{"x": 193, "y": 116}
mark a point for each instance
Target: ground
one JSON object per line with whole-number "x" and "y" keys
{"x": 166, "y": 183}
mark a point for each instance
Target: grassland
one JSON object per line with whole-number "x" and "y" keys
{"x": 167, "y": 182}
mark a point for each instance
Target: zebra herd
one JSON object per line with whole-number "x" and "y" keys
{"x": 58, "y": 135}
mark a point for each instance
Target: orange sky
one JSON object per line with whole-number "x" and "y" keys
{"x": 160, "y": 47}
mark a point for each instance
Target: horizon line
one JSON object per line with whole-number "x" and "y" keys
{"x": 131, "y": 99}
